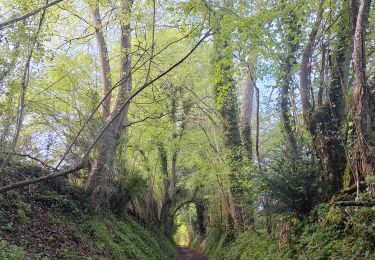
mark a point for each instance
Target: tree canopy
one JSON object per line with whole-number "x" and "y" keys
{"x": 214, "y": 121}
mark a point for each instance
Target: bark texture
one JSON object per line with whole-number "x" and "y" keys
{"x": 104, "y": 64}
{"x": 166, "y": 201}
{"x": 364, "y": 160}
{"x": 201, "y": 211}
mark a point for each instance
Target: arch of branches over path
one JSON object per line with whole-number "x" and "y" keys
{"x": 55, "y": 173}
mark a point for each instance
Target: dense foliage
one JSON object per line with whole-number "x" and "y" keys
{"x": 245, "y": 129}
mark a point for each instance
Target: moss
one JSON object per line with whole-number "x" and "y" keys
{"x": 346, "y": 177}
{"x": 335, "y": 215}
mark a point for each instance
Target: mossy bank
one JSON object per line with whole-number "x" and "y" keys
{"x": 53, "y": 221}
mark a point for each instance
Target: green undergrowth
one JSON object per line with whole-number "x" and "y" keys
{"x": 52, "y": 221}
{"x": 120, "y": 237}
{"x": 249, "y": 245}
{"x": 328, "y": 232}
{"x": 332, "y": 232}
{"x": 246, "y": 245}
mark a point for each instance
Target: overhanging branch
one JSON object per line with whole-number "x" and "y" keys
{"x": 81, "y": 163}
{"x": 24, "y": 17}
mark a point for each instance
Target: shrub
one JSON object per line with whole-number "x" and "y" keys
{"x": 127, "y": 186}
{"x": 293, "y": 184}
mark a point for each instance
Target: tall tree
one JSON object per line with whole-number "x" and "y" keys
{"x": 364, "y": 162}
{"x": 325, "y": 119}
{"x": 32, "y": 46}
{"x": 227, "y": 103}
{"x": 169, "y": 188}
{"x": 102, "y": 172}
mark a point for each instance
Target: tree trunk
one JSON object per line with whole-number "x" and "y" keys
{"x": 291, "y": 27}
{"x": 166, "y": 196}
{"x": 233, "y": 143}
{"x": 305, "y": 71}
{"x": 201, "y": 209}
{"x": 257, "y": 128}
{"x": 364, "y": 160}
{"x": 246, "y": 115}
{"x": 168, "y": 193}
{"x": 324, "y": 121}
{"x": 125, "y": 85}
{"x": 330, "y": 150}
{"x": 102, "y": 173}
{"x": 170, "y": 178}
{"x": 285, "y": 107}
{"x": 226, "y": 100}
{"x": 100, "y": 179}
{"x": 104, "y": 64}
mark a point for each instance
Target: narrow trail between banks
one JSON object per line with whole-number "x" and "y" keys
{"x": 188, "y": 253}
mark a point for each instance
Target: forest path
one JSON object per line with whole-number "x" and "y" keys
{"x": 188, "y": 253}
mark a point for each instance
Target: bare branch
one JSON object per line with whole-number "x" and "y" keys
{"x": 32, "y": 158}
{"x": 23, "y": 17}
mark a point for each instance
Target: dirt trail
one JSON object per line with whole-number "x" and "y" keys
{"x": 187, "y": 253}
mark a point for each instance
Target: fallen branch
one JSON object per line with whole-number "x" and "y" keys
{"x": 353, "y": 188}
{"x": 355, "y": 203}
{"x": 21, "y": 184}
